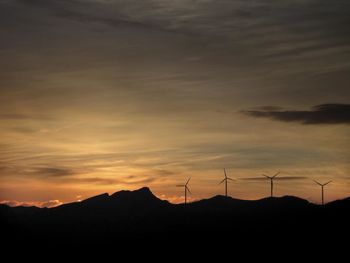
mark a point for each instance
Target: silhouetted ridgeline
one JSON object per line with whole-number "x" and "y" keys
{"x": 140, "y": 216}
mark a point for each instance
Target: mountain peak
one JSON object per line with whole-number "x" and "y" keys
{"x": 139, "y": 196}
{"x": 142, "y": 192}
{"x": 219, "y": 202}
{"x": 286, "y": 199}
{"x": 96, "y": 199}
{"x": 284, "y": 202}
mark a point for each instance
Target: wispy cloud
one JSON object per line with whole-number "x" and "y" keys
{"x": 54, "y": 171}
{"x": 17, "y": 116}
{"x": 280, "y": 178}
{"x": 91, "y": 181}
{"x": 36, "y": 170}
{"x": 139, "y": 180}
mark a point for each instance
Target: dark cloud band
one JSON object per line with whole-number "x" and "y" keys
{"x": 320, "y": 114}
{"x": 284, "y": 178}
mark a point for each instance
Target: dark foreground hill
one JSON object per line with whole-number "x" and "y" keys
{"x": 138, "y": 216}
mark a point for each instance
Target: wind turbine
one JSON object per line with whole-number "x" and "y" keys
{"x": 185, "y": 186}
{"x": 322, "y": 191}
{"x": 271, "y": 181}
{"x": 225, "y": 180}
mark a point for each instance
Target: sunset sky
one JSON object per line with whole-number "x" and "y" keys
{"x": 104, "y": 95}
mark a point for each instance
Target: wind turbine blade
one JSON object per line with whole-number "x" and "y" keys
{"x": 317, "y": 183}
{"x": 188, "y": 181}
{"x": 327, "y": 183}
{"x": 225, "y": 172}
{"x": 266, "y": 176}
{"x": 222, "y": 181}
{"x": 188, "y": 190}
{"x": 228, "y": 178}
{"x": 276, "y": 174}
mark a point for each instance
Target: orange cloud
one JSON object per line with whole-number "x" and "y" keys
{"x": 48, "y": 204}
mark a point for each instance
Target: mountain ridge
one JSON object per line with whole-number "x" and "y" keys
{"x": 126, "y": 216}
{"x": 146, "y": 193}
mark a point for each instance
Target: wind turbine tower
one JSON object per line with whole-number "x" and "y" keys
{"x": 322, "y": 190}
{"x": 186, "y": 189}
{"x": 225, "y": 180}
{"x": 271, "y": 181}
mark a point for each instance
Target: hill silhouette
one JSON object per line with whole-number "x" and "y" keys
{"x": 139, "y": 215}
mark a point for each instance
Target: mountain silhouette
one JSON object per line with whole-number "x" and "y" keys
{"x": 141, "y": 198}
{"x": 95, "y": 200}
{"x": 139, "y": 215}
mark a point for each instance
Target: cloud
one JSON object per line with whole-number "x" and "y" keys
{"x": 48, "y": 204}
{"x": 93, "y": 180}
{"x": 53, "y": 171}
{"x": 89, "y": 11}
{"x": 37, "y": 170}
{"x": 164, "y": 172}
{"x": 91, "y": 18}
{"x": 51, "y": 203}
{"x": 320, "y": 114}
{"x": 23, "y": 130}
{"x": 242, "y": 32}
{"x": 21, "y": 117}
{"x": 281, "y": 178}
{"x": 129, "y": 180}
{"x": 268, "y": 108}
{"x": 17, "y": 203}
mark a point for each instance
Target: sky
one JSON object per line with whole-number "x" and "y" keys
{"x": 104, "y": 95}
